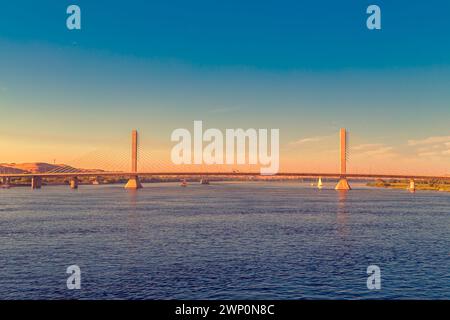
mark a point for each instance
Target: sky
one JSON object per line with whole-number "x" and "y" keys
{"x": 306, "y": 68}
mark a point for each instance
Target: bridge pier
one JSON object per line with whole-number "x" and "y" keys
{"x": 5, "y": 182}
{"x": 343, "y": 184}
{"x": 36, "y": 182}
{"x": 73, "y": 183}
{"x": 133, "y": 183}
{"x": 412, "y": 185}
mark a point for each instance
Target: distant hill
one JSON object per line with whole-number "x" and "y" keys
{"x": 38, "y": 167}
{"x": 6, "y": 169}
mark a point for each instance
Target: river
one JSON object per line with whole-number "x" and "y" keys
{"x": 229, "y": 240}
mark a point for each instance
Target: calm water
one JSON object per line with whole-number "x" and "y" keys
{"x": 223, "y": 241}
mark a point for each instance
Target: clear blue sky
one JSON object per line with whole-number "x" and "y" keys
{"x": 263, "y": 34}
{"x": 306, "y": 67}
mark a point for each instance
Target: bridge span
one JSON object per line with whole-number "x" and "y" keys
{"x": 36, "y": 178}
{"x": 280, "y": 174}
{"x": 134, "y": 174}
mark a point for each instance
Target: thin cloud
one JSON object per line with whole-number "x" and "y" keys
{"x": 372, "y": 149}
{"x": 434, "y": 153}
{"x": 434, "y": 146}
{"x": 367, "y": 146}
{"x": 379, "y": 151}
{"x": 429, "y": 141}
{"x": 428, "y": 154}
{"x": 306, "y": 140}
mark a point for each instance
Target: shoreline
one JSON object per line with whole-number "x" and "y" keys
{"x": 438, "y": 186}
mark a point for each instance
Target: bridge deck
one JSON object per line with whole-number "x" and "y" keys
{"x": 281, "y": 174}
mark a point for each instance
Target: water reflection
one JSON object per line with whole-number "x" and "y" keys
{"x": 132, "y": 214}
{"x": 132, "y": 198}
{"x": 342, "y": 213}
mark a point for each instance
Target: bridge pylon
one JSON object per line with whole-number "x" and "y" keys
{"x": 343, "y": 183}
{"x": 134, "y": 183}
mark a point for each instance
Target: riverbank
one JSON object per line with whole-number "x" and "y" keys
{"x": 441, "y": 186}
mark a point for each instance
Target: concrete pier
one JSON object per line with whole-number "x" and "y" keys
{"x": 133, "y": 183}
{"x": 73, "y": 183}
{"x": 5, "y": 183}
{"x": 343, "y": 184}
{"x": 412, "y": 186}
{"x": 36, "y": 182}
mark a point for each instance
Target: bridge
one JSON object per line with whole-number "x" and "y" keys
{"x": 134, "y": 182}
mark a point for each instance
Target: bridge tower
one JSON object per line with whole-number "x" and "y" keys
{"x": 133, "y": 182}
{"x": 343, "y": 183}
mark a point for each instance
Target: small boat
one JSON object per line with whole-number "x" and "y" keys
{"x": 319, "y": 183}
{"x": 204, "y": 181}
{"x": 183, "y": 183}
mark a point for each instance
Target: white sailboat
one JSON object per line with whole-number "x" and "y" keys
{"x": 319, "y": 183}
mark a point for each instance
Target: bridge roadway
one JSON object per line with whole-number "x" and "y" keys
{"x": 281, "y": 174}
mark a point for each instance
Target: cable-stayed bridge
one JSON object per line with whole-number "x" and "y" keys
{"x": 144, "y": 164}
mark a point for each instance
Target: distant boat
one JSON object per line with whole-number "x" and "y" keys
{"x": 204, "y": 181}
{"x": 319, "y": 183}
{"x": 183, "y": 183}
